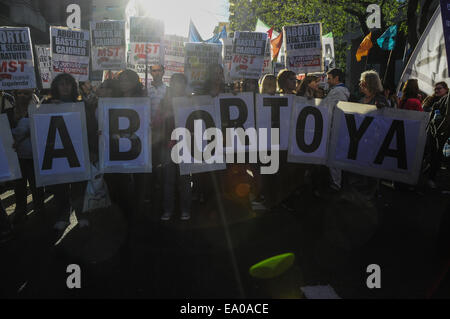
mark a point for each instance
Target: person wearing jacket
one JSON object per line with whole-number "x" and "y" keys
{"x": 410, "y": 97}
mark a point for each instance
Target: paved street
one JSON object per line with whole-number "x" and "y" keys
{"x": 333, "y": 238}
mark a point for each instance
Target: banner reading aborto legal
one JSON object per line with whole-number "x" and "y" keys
{"x": 108, "y": 48}
{"x": 9, "y": 164}
{"x": 59, "y": 142}
{"x": 248, "y": 55}
{"x": 303, "y": 45}
{"x": 16, "y": 59}
{"x": 125, "y": 142}
{"x": 70, "y": 52}
{"x": 43, "y": 52}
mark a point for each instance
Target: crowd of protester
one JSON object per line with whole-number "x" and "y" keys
{"x": 130, "y": 192}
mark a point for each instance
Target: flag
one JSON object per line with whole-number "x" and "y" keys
{"x": 387, "y": 40}
{"x": 275, "y": 45}
{"x": 269, "y": 33}
{"x": 193, "y": 36}
{"x": 262, "y": 27}
{"x": 328, "y": 35}
{"x": 428, "y": 62}
{"x": 364, "y": 47}
{"x": 216, "y": 38}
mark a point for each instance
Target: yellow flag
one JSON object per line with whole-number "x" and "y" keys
{"x": 364, "y": 47}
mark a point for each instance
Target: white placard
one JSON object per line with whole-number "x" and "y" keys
{"x": 303, "y": 45}
{"x": 248, "y": 55}
{"x": 309, "y": 131}
{"x": 9, "y": 164}
{"x": 59, "y": 142}
{"x": 16, "y": 59}
{"x": 227, "y": 56}
{"x": 70, "y": 52}
{"x": 108, "y": 49}
{"x": 125, "y": 123}
{"x": 274, "y": 111}
{"x": 199, "y": 57}
{"x": 43, "y": 52}
{"x": 386, "y": 143}
{"x": 194, "y": 108}
{"x": 237, "y": 110}
{"x": 173, "y": 56}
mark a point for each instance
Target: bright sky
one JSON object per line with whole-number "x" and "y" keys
{"x": 205, "y": 14}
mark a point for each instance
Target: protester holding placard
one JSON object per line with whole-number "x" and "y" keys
{"x": 286, "y": 81}
{"x": 268, "y": 84}
{"x": 178, "y": 83}
{"x": 22, "y": 143}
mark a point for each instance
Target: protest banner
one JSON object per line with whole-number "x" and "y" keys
{"x": 384, "y": 143}
{"x": 274, "y": 111}
{"x": 237, "y": 111}
{"x": 70, "y": 52}
{"x": 309, "y": 131}
{"x": 199, "y": 57}
{"x": 43, "y": 53}
{"x": 108, "y": 50}
{"x": 173, "y": 56}
{"x": 16, "y": 59}
{"x": 445, "y": 14}
{"x": 328, "y": 52}
{"x": 125, "y": 142}
{"x": 59, "y": 142}
{"x": 267, "y": 66}
{"x": 303, "y": 44}
{"x": 189, "y": 110}
{"x": 428, "y": 62}
{"x": 9, "y": 163}
{"x": 227, "y": 56}
{"x": 248, "y": 55}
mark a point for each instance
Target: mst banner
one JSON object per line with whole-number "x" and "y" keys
{"x": 9, "y": 164}
{"x": 303, "y": 44}
{"x": 16, "y": 59}
{"x": 108, "y": 48}
{"x": 199, "y": 57}
{"x": 125, "y": 142}
{"x": 43, "y": 52}
{"x": 385, "y": 143}
{"x": 248, "y": 55}
{"x": 70, "y": 52}
{"x": 59, "y": 142}
{"x": 146, "y": 38}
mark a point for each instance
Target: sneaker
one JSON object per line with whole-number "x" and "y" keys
{"x": 166, "y": 216}
{"x": 185, "y": 216}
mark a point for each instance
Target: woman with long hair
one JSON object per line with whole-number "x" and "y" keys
{"x": 410, "y": 97}
{"x": 309, "y": 87}
{"x": 269, "y": 84}
{"x": 372, "y": 89}
{"x": 286, "y": 81}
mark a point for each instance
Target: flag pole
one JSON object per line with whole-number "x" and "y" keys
{"x": 365, "y": 65}
{"x": 387, "y": 67}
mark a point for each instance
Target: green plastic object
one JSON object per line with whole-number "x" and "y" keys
{"x": 273, "y": 266}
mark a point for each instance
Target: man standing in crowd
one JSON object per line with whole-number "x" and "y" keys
{"x": 338, "y": 92}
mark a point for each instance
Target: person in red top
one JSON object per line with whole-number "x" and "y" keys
{"x": 410, "y": 97}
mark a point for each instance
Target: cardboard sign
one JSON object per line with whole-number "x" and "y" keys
{"x": 248, "y": 55}
{"x": 274, "y": 111}
{"x": 310, "y": 129}
{"x": 267, "y": 66}
{"x": 199, "y": 57}
{"x": 146, "y": 30}
{"x": 328, "y": 53}
{"x": 70, "y": 52}
{"x": 108, "y": 49}
{"x": 59, "y": 142}
{"x": 125, "y": 142}
{"x": 43, "y": 52}
{"x": 146, "y": 53}
{"x": 385, "y": 143}
{"x": 303, "y": 45}
{"x": 173, "y": 56}
{"x": 227, "y": 57}
{"x": 237, "y": 111}
{"x": 16, "y": 59}
{"x": 187, "y": 111}
{"x": 9, "y": 164}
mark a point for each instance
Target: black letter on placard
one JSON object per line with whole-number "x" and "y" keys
{"x": 356, "y": 134}
{"x": 227, "y": 122}
{"x": 198, "y": 115}
{"x": 318, "y": 129}
{"x": 275, "y": 104}
{"x": 68, "y": 151}
{"x": 398, "y": 128}
{"x": 115, "y": 134}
